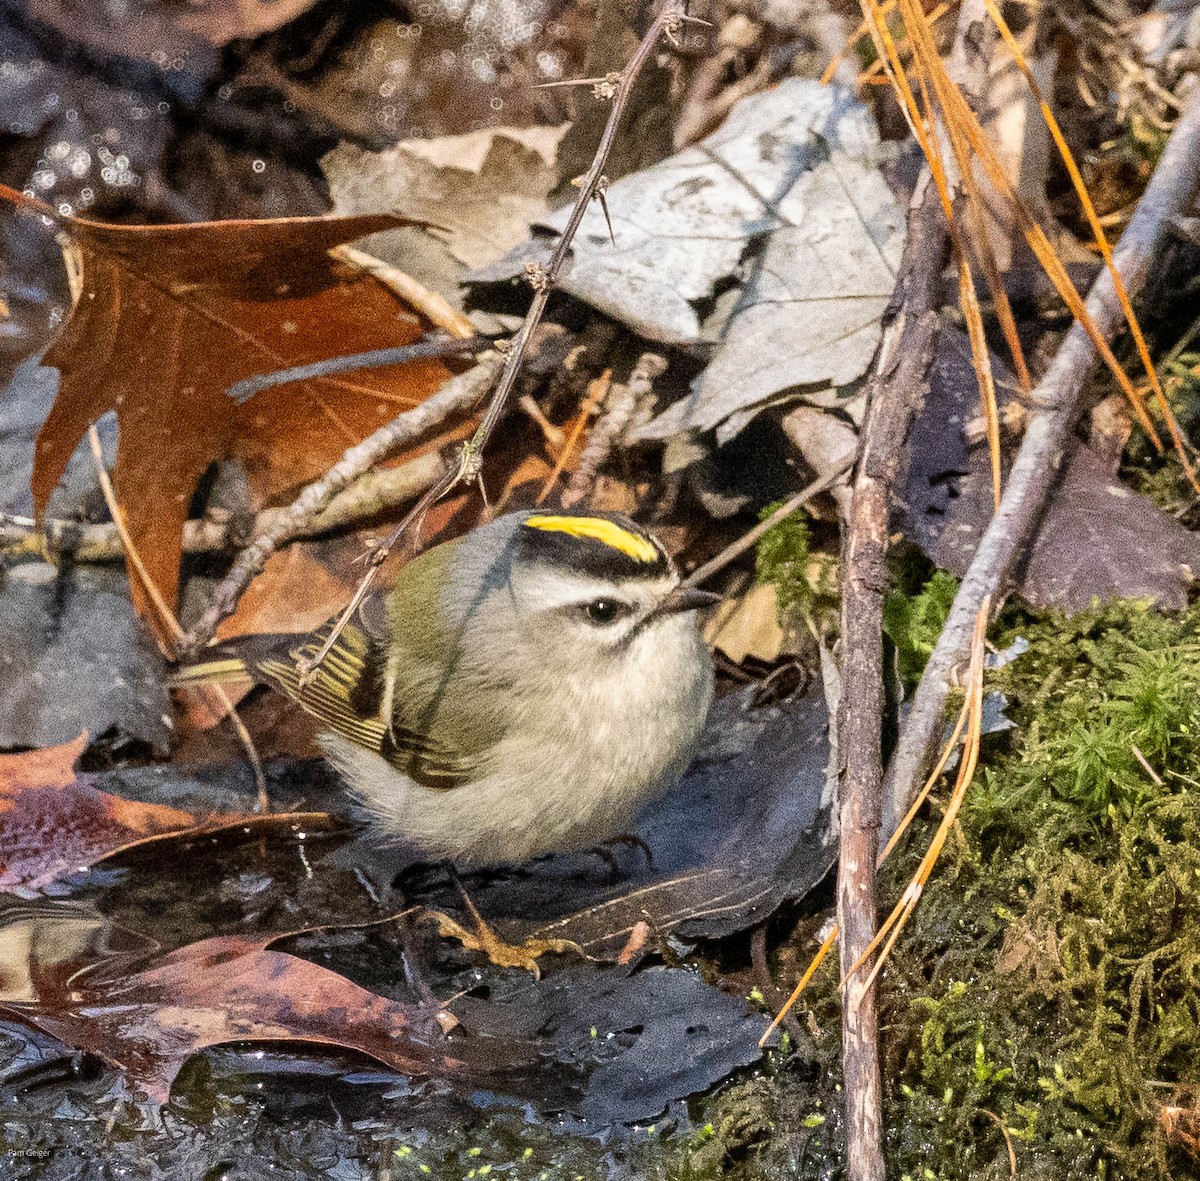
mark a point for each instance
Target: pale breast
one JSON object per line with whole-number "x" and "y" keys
{"x": 587, "y": 756}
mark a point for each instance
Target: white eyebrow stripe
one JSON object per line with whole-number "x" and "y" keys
{"x": 551, "y": 587}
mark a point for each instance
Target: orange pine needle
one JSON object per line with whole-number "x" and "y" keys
{"x": 1102, "y": 241}
{"x": 809, "y": 972}
{"x": 934, "y": 775}
{"x": 597, "y": 392}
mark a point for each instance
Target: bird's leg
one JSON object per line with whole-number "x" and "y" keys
{"x": 483, "y": 938}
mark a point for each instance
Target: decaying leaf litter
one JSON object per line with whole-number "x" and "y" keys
{"x": 723, "y": 429}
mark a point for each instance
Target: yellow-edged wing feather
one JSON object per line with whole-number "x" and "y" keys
{"x": 344, "y": 692}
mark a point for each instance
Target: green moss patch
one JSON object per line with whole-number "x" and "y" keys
{"x": 1045, "y": 1000}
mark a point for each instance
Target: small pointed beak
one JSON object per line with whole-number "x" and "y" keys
{"x": 687, "y": 598}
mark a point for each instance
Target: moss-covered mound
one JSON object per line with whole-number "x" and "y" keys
{"x": 1044, "y": 1005}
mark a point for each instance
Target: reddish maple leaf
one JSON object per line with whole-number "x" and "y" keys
{"x": 234, "y": 989}
{"x": 53, "y": 821}
{"x": 50, "y": 822}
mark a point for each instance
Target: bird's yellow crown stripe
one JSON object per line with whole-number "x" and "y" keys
{"x": 599, "y": 529}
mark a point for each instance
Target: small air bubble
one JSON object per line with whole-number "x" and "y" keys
{"x": 549, "y": 64}
{"x": 164, "y": 107}
{"x": 497, "y": 104}
{"x": 259, "y": 166}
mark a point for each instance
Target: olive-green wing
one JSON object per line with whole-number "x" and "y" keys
{"x": 336, "y": 691}
{"x": 344, "y": 692}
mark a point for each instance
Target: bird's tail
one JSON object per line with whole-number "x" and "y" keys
{"x": 222, "y": 669}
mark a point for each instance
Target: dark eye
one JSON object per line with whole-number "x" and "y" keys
{"x": 602, "y": 611}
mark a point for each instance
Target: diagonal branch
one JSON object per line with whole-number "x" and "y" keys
{"x": 1058, "y": 401}
{"x": 458, "y": 396}
{"x": 543, "y": 279}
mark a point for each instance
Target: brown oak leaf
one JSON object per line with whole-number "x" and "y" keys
{"x": 169, "y": 317}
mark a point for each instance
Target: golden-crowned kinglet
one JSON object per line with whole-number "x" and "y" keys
{"x": 537, "y": 682}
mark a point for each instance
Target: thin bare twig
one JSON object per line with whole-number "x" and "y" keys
{"x": 542, "y": 278}
{"x": 424, "y": 350}
{"x": 598, "y": 393}
{"x": 1058, "y": 400}
{"x": 432, "y": 304}
{"x": 168, "y": 616}
{"x": 458, "y": 396}
{"x": 370, "y": 495}
{"x": 793, "y": 504}
{"x": 618, "y": 410}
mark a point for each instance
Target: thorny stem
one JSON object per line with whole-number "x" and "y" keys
{"x": 458, "y": 396}
{"x": 543, "y": 281}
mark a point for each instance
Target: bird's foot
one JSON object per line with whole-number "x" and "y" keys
{"x": 502, "y": 954}
{"x": 483, "y": 938}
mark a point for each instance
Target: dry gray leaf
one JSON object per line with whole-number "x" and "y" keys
{"x": 483, "y": 190}
{"x": 809, "y": 313}
{"x": 795, "y": 162}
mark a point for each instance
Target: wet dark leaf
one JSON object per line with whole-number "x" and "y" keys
{"x": 1098, "y": 539}
{"x": 641, "y": 1039}
{"x": 74, "y": 656}
{"x": 748, "y": 827}
{"x": 72, "y": 653}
